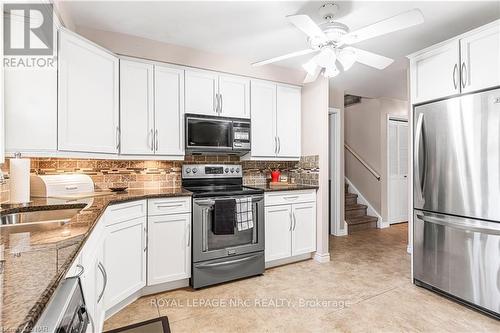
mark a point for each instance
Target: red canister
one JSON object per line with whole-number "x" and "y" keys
{"x": 275, "y": 176}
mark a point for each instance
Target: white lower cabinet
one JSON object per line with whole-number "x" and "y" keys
{"x": 169, "y": 250}
{"x": 125, "y": 259}
{"x": 290, "y": 228}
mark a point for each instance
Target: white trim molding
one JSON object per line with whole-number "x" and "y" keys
{"x": 370, "y": 211}
{"x": 322, "y": 257}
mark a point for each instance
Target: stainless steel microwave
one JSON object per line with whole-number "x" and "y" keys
{"x": 207, "y": 135}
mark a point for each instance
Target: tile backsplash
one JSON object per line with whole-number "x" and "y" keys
{"x": 158, "y": 174}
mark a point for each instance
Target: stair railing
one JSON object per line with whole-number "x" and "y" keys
{"x": 363, "y": 162}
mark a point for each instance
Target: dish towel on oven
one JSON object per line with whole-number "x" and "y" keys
{"x": 244, "y": 214}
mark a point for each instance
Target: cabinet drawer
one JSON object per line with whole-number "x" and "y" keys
{"x": 125, "y": 212}
{"x": 169, "y": 206}
{"x": 289, "y": 197}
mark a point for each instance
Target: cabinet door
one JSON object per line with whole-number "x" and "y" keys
{"x": 169, "y": 110}
{"x": 125, "y": 259}
{"x": 88, "y": 96}
{"x": 288, "y": 121}
{"x": 31, "y": 104}
{"x": 136, "y": 108}
{"x": 263, "y": 116}
{"x": 436, "y": 73}
{"x": 201, "y": 88}
{"x": 169, "y": 248}
{"x": 278, "y": 232}
{"x": 480, "y": 56}
{"x": 234, "y": 96}
{"x": 304, "y": 228}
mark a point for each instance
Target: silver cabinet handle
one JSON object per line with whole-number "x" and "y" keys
{"x": 169, "y": 206}
{"x": 156, "y": 140}
{"x": 295, "y": 197}
{"x": 151, "y": 138}
{"x": 291, "y": 223}
{"x": 216, "y": 103}
{"x": 117, "y": 137}
{"x": 189, "y": 235}
{"x": 463, "y": 73}
{"x": 275, "y": 145}
{"x": 279, "y": 145}
{"x": 146, "y": 239}
{"x": 105, "y": 277}
{"x": 418, "y": 134}
{"x": 220, "y": 106}
{"x": 294, "y": 221}
{"x": 455, "y": 71}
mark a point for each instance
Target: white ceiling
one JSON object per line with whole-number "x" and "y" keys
{"x": 257, "y": 30}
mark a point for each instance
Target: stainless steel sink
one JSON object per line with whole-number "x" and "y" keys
{"x": 38, "y": 220}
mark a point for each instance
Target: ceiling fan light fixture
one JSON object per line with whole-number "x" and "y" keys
{"x": 347, "y": 58}
{"x": 325, "y": 58}
{"x": 331, "y": 71}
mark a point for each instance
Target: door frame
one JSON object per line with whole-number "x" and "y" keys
{"x": 337, "y": 227}
{"x": 402, "y": 119}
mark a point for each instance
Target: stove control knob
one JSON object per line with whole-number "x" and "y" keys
{"x": 226, "y": 170}
{"x": 232, "y": 170}
{"x": 195, "y": 170}
{"x": 188, "y": 170}
{"x": 237, "y": 170}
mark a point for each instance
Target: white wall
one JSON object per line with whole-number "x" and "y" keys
{"x": 315, "y": 142}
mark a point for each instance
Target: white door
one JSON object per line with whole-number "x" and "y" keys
{"x": 31, "y": 104}
{"x": 136, "y": 108}
{"x": 288, "y": 121}
{"x": 278, "y": 228}
{"x": 169, "y": 111}
{"x": 304, "y": 228}
{"x": 201, "y": 89}
{"x": 125, "y": 259}
{"x": 480, "y": 56}
{"x": 436, "y": 74}
{"x": 397, "y": 171}
{"x": 263, "y": 116}
{"x": 88, "y": 96}
{"x": 169, "y": 248}
{"x": 234, "y": 94}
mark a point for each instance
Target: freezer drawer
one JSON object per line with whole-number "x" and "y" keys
{"x": 457, "y": 156}
{"x": 458, "y": 256}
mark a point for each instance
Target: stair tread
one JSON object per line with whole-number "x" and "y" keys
{"x": 361, "y": 219}
{"x": 351, "y": 195}
{"x": 355, "y": 206}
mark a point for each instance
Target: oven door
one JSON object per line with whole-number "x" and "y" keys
{"x": 207, "y": 245}
{"x": 208, "y": 134}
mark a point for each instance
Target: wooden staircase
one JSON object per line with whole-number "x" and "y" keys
{"x": 355, "y": 214}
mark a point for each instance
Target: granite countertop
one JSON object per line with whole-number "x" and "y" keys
{"x": 288, "y": 187}
{"x": 32, "y": 263}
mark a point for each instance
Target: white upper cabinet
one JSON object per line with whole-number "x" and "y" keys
{"x": 480, "y": 56}
{"x": 88, "y": 96}
{"x": 234, "y": 96}
{"x": 466, "y": 63}
{"x": 263, "y": 132}
{"x": 288, "y": 121}
{"x": 169, "y": 111}
{"x": 436, "y": 73}
{"x": 136, "y": 108}
{"x": 31, "y": 104}
{"x": 276, "y": 120}
{"x": 201, "y": 92}
{"x": 213, "y": 94}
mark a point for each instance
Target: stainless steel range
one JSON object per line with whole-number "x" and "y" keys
{"x": 228, "y": 224}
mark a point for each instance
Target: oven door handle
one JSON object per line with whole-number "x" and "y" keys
{"x": 229, "y": 262}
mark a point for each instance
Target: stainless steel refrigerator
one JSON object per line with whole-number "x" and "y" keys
{"x": 456, "y": 230}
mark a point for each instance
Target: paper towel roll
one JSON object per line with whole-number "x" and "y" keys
{"x": 19, "y": 180}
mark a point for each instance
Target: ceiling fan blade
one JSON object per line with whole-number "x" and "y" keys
{"x": 395, "y": 23}
{"x": 307, "y": 26}
{"x": 371, "y": 59}
{"x": 283, "y": 57}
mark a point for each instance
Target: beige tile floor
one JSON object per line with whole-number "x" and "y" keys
{"x": 364, "y": 288}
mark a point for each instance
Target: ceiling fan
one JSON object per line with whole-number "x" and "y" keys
{"x": 331, "y": 42}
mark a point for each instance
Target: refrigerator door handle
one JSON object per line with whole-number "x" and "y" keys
{"x": 416, "y": 149}
{"x": 491, "y": 228}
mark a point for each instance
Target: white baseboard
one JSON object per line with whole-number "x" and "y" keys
{"x": 322, "y": 258}
{"x": 342, "y": 232}
{"x": 362, "y": 200}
